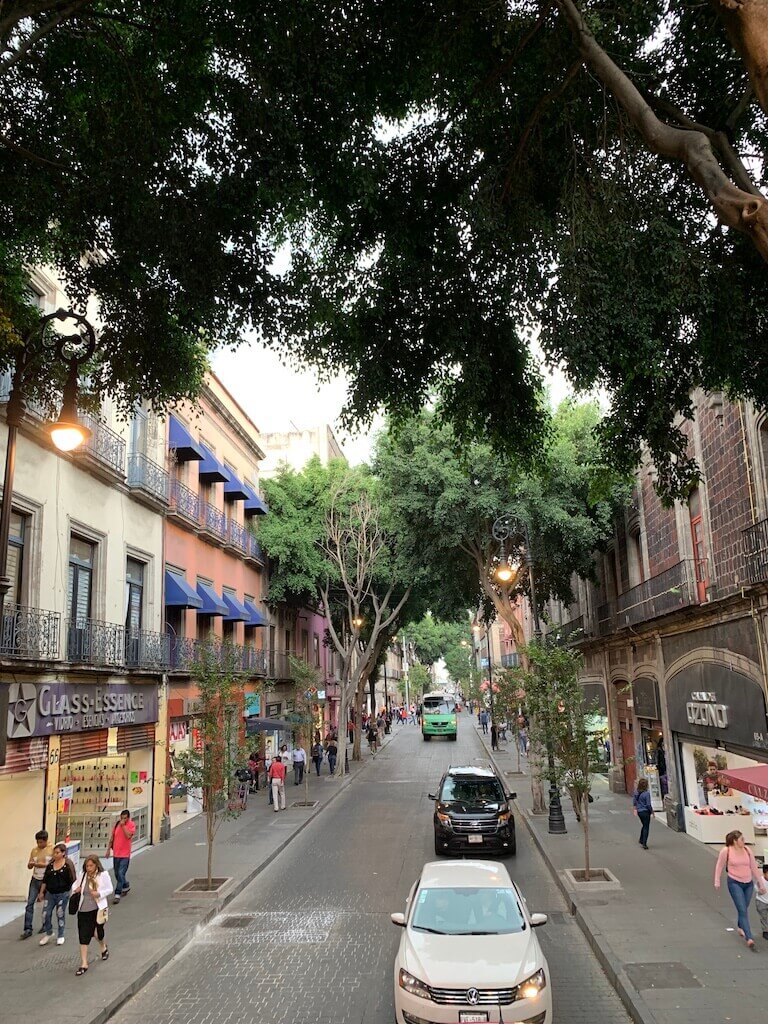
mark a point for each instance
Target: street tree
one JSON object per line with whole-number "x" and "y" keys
{"x": 419, "y": 681}
{"x": 212, "y": 769}
{"x": 307, "y": 680}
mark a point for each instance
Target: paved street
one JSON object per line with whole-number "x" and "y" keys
{"x": 310, "y": 941}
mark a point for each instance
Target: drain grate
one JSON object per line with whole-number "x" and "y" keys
{"x": 308, "y": 805}
{"x": 236, "y": 922}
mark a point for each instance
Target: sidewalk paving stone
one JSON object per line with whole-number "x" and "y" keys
{"x": 149, "y": 927}
{"x": 667, "y": 913}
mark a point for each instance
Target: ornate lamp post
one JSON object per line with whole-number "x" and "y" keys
{"x": 67, "y": 433}
{"x": 510, "y": 530}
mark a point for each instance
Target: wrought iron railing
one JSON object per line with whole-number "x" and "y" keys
{"x": 254, "y": 661}
{"x": 147, "y": 650}
{"x": 184, "y": 503}
{"x": 606, "y": 618}
{"x": 189, "y": 655}
{"x": 254, "y": 549}
{"x": 95, "y": 643}
{"x": 213, "y": 520}
{"x": 755, "y": 542}
{"x": 104, "y": 444}
{"x": 237, "y": 536}
{"x": 279, "y": 664}
{"x": 30, "y": 633}
{"x": 572, "y": 631}
{"x": 680, "y": 586}
{"x": 146, "y": 475}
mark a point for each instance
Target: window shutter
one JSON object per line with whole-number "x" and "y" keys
{"x": 135, "y": 737}
{"x": 82, "y": 746}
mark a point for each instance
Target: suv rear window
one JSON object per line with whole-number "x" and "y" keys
{"x": 469, "y": 790}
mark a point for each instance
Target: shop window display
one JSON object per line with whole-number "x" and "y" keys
{"x": 712, "y": 808}
{"x": 101, "y": 788}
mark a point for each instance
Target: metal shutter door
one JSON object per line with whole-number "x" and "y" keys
{"x": 82, "y": 746}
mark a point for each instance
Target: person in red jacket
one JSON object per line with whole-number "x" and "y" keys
{"x": 277, "y": 783}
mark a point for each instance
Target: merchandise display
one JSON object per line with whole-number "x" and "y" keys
{"x": 101, "y": 788}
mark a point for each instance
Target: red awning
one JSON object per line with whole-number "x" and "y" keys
{"x": 753, "y": 781}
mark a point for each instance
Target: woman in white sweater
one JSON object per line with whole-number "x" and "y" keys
{"x": 94, "y": 885}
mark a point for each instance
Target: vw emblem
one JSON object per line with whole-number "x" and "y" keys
{"x": 473, "y": 996}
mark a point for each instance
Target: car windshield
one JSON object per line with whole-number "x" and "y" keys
{"x": 472, "y": 791}
{"x": 468, "y": 911}
{"x": 438, "y": 706}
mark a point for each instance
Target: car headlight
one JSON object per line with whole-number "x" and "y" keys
{"x": 413, "y": 985}
{"x": 533, "y": 986}
{"x": 444, "y": 819}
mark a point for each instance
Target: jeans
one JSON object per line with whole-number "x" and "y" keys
{"x": 298, "y": 772}
{"x": 332, "y": 763}
{"x": 121, "y": 869}
{"x": 34, "y": 889}
{"x": 485, "y": 727}
{"x": 59, "y": 901}
{"x": 645, "y": 826}
{"x": 741, "y": 894}
{"x": 318, "y": 761}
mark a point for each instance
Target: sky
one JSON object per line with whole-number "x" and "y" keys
{"x": 278, "y": 398}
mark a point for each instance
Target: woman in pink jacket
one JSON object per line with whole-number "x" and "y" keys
{"x": 742, "y": 873}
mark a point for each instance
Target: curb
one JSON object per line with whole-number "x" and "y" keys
{"x": 612, "y": 966}
{"x": 173, "y": 949}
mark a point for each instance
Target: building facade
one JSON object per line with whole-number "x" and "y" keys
{"x": 295, "y": 448}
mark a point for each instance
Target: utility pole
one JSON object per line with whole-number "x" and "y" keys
{"x": 405, "y": 672}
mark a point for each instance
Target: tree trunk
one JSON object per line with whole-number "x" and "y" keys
{"x": 210, "y": 814}
{"x": 357, "y": 736}
{"x": 537, "y": 789}
{"x": 585, "y": 826}
{"x": 746, "y": 22}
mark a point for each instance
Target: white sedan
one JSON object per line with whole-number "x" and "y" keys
{"x": 469, "y": 953}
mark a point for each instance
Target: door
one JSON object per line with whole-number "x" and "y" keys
{"x": 79, "y": 598}
{"x": 134, "y": 601}
{"x": 628, "y": 757}
{"x": 700, "y": 560}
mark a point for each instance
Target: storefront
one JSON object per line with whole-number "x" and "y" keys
{"x": 652, "y": 754}
{"x": 596, "y": 709}
{"x": 99, "y": 744}
{"x": 718, "y": 720}
{"x": 183, "y": 804}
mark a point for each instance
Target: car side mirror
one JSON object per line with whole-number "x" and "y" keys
{"x": 537, "y": 920}
{"x": 431, "y": 796}
{"x": 511, "y": 796}
{"x": 399, "y": 919}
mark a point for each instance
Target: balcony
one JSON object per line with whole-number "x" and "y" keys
{"x": 104, "y": 447}
{"x": 254, "y": 661}
{"x": 237, "y": 536}
{"x": 31, "y": 633}
{"x": 253, "y": 551}
{"x": 146, "y": 650}
{"x": 188, "y": 655}
{"x": 279, "y": 665}
{"x": 107, "y": 645}
{"x": 184, "y": 504}
{"x": 148, "y": 480}
{"x": 680, "y": 586}
{"x": 213, "y": 521}
{"x": 571, "y": 632}
{"x": 755, "y": 545}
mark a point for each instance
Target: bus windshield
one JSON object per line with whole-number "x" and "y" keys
{"x": 439, "y": 705}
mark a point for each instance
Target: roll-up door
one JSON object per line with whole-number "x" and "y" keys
{"x": 25, "y": 755}
{"x": 82, "y": 746}
{"x": 135, "y": 737}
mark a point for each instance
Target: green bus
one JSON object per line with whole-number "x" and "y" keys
{"x": 438, "y": 717}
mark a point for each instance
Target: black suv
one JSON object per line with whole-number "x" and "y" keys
{"x": 473, "y": 813}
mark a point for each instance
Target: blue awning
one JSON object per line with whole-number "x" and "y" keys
{"x": 254, "y": 506}
{"x": 235, "y": 490}
{"x": 236, "y": 611}
{"x": 182, "y": 442}
{"x": 212, "y": 604}
{"x": 178, "y": 593}
{"x": 255, "y": 617}
{"x": 211, "y": 470}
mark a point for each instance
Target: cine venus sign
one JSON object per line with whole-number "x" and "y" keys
{"x": 56, "y": 708}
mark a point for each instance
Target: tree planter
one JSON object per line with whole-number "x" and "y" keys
{"x": 600, "y": 880}
{"x": 198, "y": 887}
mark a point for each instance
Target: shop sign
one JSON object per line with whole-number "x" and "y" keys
{"x": 252, "y": 704}
{"x": 711, "y": 701}
{"x": 56, "y": 708}
{"x": 273, "y": 710}
{"x": 178, "y": 731}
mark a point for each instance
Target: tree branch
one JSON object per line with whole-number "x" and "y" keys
{"x": 746, "y": 22}
{"x": 744, "y": 211}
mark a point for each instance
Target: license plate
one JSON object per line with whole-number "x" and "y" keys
{"x": 475, "y": 1017}
{"x": 476, "y": 839}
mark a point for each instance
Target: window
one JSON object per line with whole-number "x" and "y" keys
{"x": 272, "y": 639}
{"x": 700, "y": 560}
{"x": 138, "y": 442}
{"x": 305, "y": 645}
{"x": 134, "y": 603}
{"x": 82, "y": 558}
{"x": 611, "y": 586}
{"x": 16, "y": 562}
{"x": 287, "y": 647}
{"x": 228, "y": 634}
{"x": 635, "y": 559}
{"x": 476, "y": 911}
{"x": 316, "y": 649}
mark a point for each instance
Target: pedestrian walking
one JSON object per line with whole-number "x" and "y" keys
{"x": 276, "y": 779}
{"x": 93, "y": 887}
{"x": 373, "y": 738}
{"x": 641, "y": 801}
{"x": 761, "y": 902}
{"x": 317, "y": 755}
{"x": 494, "y": 736}
{"x": 299, "y": 757}
{"x": 38, "y": 860}
{"x": 57, "y": 882}
{"x": 333, "y": 752}
{"x": 484, "y": 716}
{"x": 522, "y": 735}
{"x": 120, "y": 850}
{"x": 254, "y": 766}
{"x": 285, "y": 755}
{"x": 742, "y": 874}
{"x": 269, "y": 757}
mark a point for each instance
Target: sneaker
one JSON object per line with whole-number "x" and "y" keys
{"x": 116, "y": 899}
{"x": 60, "y": 941}
{"x": 45, "y": 940}
{"x": 25, "y": 935}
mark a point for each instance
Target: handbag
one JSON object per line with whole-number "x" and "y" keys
{"x": 74, "y": 903}
{"x": 102, "y": 915}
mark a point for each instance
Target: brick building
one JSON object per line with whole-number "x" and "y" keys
{"x": 674, "y": 634}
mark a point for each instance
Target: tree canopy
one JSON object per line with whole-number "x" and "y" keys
{"x": 452, "y": 177}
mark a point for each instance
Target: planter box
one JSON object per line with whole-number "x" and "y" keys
{"x": 197, "y": 888}
{"x": 713, "y": 828}
{"x": 600, "y": 880}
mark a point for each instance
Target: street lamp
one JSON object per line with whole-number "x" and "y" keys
{"x": 67, "y": 433}
{"x": 509, "y": 527}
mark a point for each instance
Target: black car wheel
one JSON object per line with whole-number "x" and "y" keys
{"x": 511, "y": 850}
{"x": 427, "y": 737}
{"x": 439, "y": 851}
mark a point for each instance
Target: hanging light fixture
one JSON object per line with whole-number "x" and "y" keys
{"x": 68, "y": 433}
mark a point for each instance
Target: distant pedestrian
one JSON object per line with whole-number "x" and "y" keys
{"x": 269, "y": 757}
{"x": 373, "y": 738}
{"x": 494, "y": 736}
{"x": 299, "y": 757}
{"x": 120, "y": 849}
{"x": 57, "y": 881}
{"x": 38, "y": 860}
{"x": 317, "y": 754}
{"x": 484, "y": 716}
{"x": 254, "y": 766}
{"x": 333, "y": 752}
{"x": 761, "y": 902}
{"x": 94, "y": 886}
{"x": 741, "y": 873}
{"x": 276, "y": 780}
{"x": 285, "y": 755}
{"x": 641, "y": 801}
